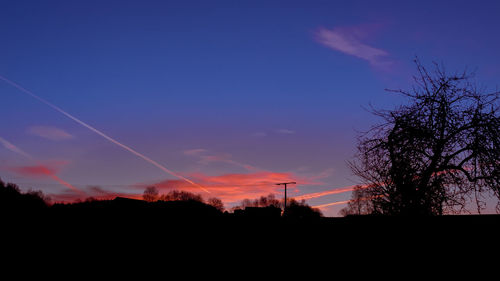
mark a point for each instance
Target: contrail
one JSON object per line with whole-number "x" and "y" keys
{"x": 324, "y": 193}
{"x": 46, "y": 171}
{"x": 331, "y": 204}
{"x": 346, "y": 201}
{"x": 333, "y": 191}
{"x": 151, "y": 161}
{"x": 14, "y": 148}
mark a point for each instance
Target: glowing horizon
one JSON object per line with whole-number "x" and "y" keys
{"x": 205, "y": 98}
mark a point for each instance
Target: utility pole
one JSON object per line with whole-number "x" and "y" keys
{"x": 285, "y": 183}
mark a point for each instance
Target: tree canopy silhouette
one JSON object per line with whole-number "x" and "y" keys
{"x": 176, "y": 195}
{"x": 435, "y": 153}
{"x": 263, "y": 201}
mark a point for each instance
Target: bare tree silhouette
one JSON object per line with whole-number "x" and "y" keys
{"x": 217, "y": 203}
{"x": 150, "y": 194}
{"x": 360, "y": 204}
{"x": 437, "y": 152}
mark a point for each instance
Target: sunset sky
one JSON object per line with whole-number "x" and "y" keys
{"x": 221, "y": 98}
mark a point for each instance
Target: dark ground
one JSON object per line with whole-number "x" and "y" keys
{"x": 102, "y": 232}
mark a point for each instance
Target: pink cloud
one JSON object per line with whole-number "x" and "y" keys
{"x": 231, "y": 187}
{"x": 44, "y": 170}
{"x": 348, "y": 41}
{"x": 234, "y": 187}
{"x": 47, "y": 132}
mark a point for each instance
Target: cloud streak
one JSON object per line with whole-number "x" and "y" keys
{"x": 206, "y": 157}
{"x": 331, "y": 204}
{"x": 285, "y": 131}
{"x": 348, "y": 41}
{"x": 47, "y": 132}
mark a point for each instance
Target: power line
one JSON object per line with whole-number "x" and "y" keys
{"x": 285, "y": 184}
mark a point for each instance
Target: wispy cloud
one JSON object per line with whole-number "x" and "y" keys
{"x": 206, "y": 157}
{"x": 194, "y": 152}
{"x": 317, "y": 178}
{"x": 48, "y": 132}
{"x": 259, "y": 134}
{"x": 348, "y": 40}
{"x": 285, "y": 131}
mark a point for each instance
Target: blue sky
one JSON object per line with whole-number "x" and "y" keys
{"x": 276, "y": 85}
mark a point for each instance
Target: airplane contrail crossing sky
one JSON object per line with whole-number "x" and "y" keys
{"x": 129, "y": 149}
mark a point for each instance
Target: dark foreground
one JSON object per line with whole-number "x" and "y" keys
{"x": 216, "y": 242}
{"x": 121, "y": 228}
{"x": 135, "y": 227}
{"x": 162, "y": 237}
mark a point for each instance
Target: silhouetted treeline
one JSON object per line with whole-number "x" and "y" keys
{"x": 174, "y": 206}
{"x": 120, "y": 207}
{"x": 11, "y": 198}
{"x": 295, "y": 209}
{"x": 120, "y": 225}
{"x": 185, "y": 211}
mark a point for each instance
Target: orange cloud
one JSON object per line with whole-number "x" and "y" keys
{"x": 232, "y": 187}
